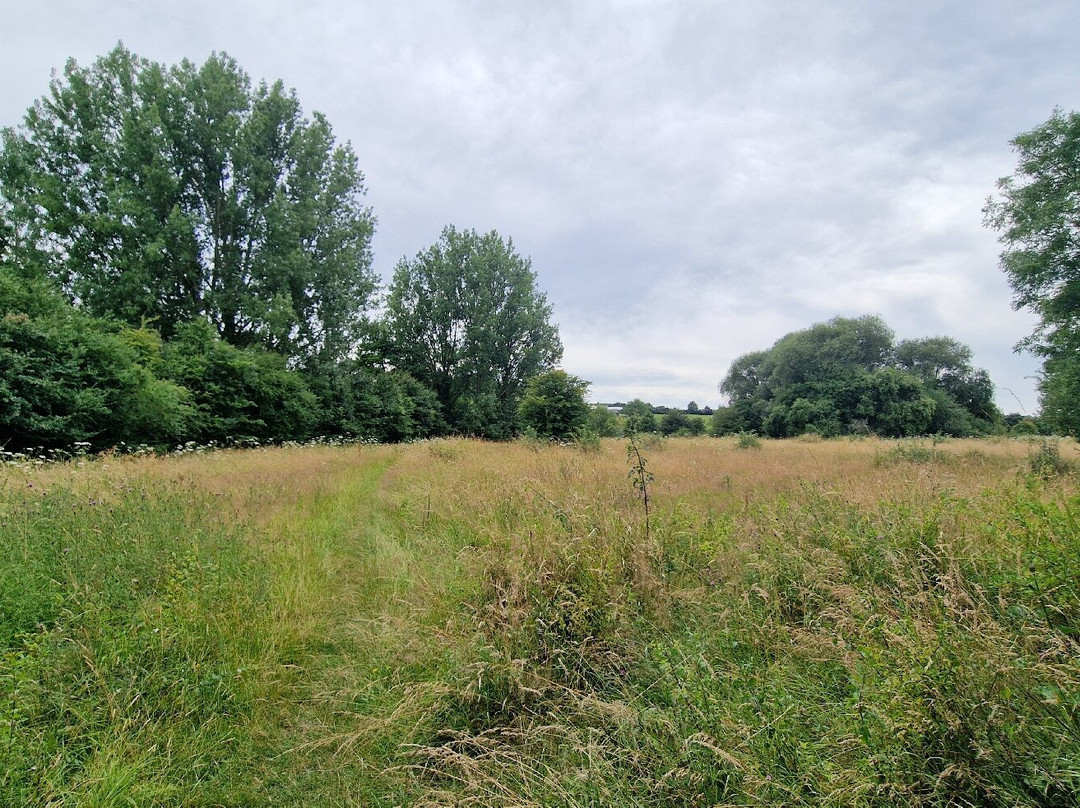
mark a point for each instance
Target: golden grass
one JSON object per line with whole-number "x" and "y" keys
{"x": 470, "y": 479}
{"x": 461, "y": 622}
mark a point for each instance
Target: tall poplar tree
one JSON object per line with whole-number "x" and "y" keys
{"x": 464, "y": 317}
{"x": 165, "y": 194}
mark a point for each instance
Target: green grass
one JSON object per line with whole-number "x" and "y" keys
{"x": 459, "y": 623}
{"x": 126, "y": 638}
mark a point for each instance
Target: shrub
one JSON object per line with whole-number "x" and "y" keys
{"x": 747, "y": 440}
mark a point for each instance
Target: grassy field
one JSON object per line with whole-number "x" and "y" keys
{"x": 463, "y": 623}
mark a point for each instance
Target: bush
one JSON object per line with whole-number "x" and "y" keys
{"x": 67, "y": 378}
{"x": 554, "y": 405}
{"x": 747, "y": 440}
{"x": 1047, "y": 461}
{"x": 238, "y": 393}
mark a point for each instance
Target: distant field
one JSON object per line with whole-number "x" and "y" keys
{"x": 461, "y": 623}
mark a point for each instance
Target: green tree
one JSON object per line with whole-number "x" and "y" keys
{"x": 164, "y": 195}
{"x": 638, "y": 416}
{"x": 603, "y": 422}
{"x": 465, "y": 319}
{"x": 847, "y": 375}
{"x": 66, "y": 377}
{"x": 674, "y": 422}
{"x": 554, "y": 405}
{"x": 964, "y": 395}
{"x": 1037, "y": 216}
{"x": 238, "y": 392}
{"x": 895, "y": 404}
{"x": 359, "y": 400}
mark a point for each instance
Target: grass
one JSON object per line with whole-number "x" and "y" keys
{"x": 461, "y": 623}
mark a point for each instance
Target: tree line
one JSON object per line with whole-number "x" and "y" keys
{"x": 185, "y": 256}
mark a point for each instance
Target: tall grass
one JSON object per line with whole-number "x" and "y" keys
{"x": 124, "y": 628}
{"x": 462, "y": 623}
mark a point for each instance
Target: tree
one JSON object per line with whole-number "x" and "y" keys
{"x": 465, "y": 319}
{"x": 1037, "y": 216}
{"x": 388, "y": 406}
{"x": 68, "y": 378}
{"x": 238, "y": 392}
{"x": 639, "y": 416}
{"x": 679, "y": 423}
{"x": 164, "y": 195}
{"x": 964, "y": 395}
{"x": 554, "y": 405}
{"x": 847, "y": 375}
{"x": 603, "y": 422}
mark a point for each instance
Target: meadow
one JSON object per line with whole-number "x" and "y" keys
{"x": 454, "y": 622}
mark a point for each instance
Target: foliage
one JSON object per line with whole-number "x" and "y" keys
{"x": 238, "y": 393}
{"x": 1036, "y": 216}
{"x": 846, "y": 376}
{"x": 185, "y": 258}
{"x": 465, "y": 319}
{"x": 639, "y": 475}
{"x": 912, "y": 450}
{"x": 638, "y": 416}
{"x": 603, "y": 422}
{"x": 68, "y": 378}
{"x": 356, "y": 399}
{"x": 553, "y": 405}
{"x": 1047, "y": 460}
{"x": 168, "y": 194}
{"x": 679, "y": 423}
{"x": 747, "y": 440}
{"x": 1058, "y": 386}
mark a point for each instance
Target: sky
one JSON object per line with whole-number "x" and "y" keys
{"x": 691, "y": 180}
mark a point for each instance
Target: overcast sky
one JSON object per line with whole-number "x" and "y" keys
{"x": 692, "y": 180}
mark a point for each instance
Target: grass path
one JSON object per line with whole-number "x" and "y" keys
{"x": 359, "y": 597}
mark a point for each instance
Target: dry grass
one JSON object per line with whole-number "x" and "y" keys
{"x": 464, "y": 623}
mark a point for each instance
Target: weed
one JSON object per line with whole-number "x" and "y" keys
{"x": 1047, "y": 460}
{"x": 747, "y": 440}
{"x": 912, "y": 450}
{"x": 640, "y": 476}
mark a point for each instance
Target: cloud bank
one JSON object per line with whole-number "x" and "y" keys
{"x": 692, "y": 180}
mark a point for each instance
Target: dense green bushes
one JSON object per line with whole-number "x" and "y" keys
{"x": 67, "y": 378}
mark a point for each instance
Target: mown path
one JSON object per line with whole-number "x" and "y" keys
{"x": 363, "y": 593}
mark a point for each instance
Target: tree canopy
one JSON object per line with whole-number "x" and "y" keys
{"x": 554, "y": 405}
{"x": 185, "y": 256}
{"x": 465, "y": 319}
{"x": 1037, "y": 216}
{"x": 848, "y": 375}
{"x": 161, "y": 195}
